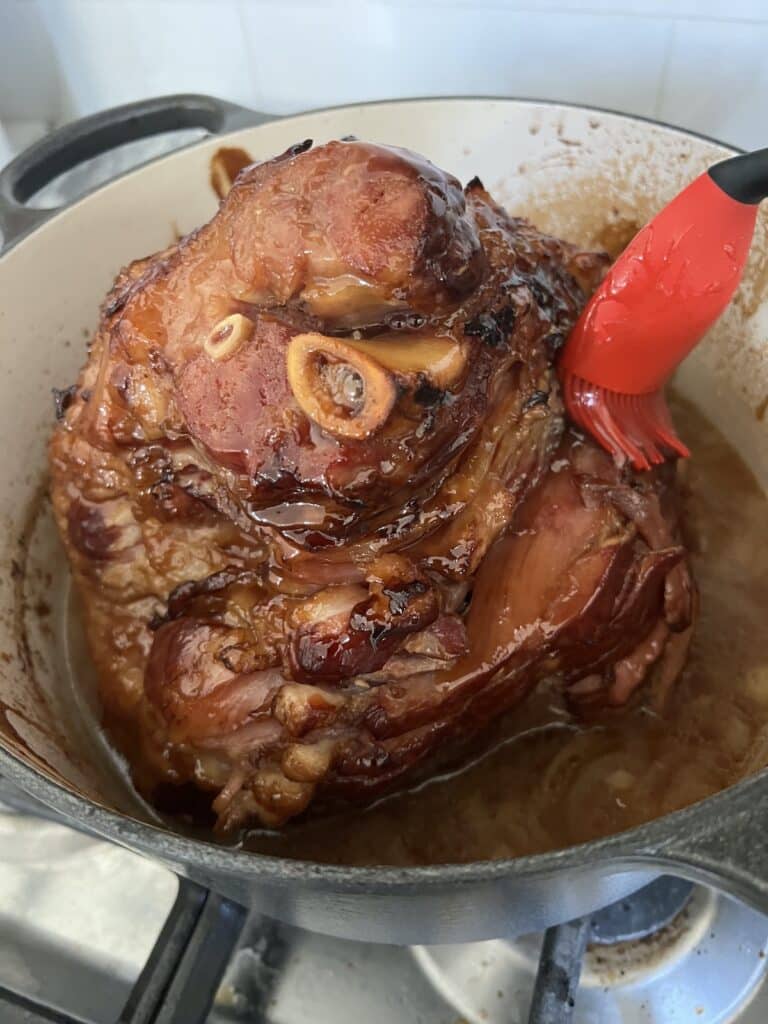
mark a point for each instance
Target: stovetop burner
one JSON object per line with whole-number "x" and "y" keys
{"x": 90, "y": 932}
{"x": 670, "y": 953}
{"x": 642, "y": 914}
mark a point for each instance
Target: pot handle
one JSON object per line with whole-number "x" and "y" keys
{"x": 726, "y": 847}
{"x": 91, "y": 136}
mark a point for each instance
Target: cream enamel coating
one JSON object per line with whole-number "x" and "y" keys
{"x": 583, "y": 174}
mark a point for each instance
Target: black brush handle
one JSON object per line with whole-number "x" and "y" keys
{"x": 743, "y": 178}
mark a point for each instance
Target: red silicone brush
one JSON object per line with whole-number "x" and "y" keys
{"x": 661, "y": 296}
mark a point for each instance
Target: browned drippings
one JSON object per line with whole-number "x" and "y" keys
{"x": 226, "y": 164}
{"x": 553, "y": 781}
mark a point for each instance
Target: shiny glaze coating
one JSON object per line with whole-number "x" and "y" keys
{"x": 285, "y": 613}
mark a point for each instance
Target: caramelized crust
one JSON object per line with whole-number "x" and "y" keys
{"x": 320, "y": 501}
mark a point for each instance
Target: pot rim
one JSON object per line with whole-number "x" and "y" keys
{"x": 625, "y": 850}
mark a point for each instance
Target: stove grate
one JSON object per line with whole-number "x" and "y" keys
{"x": 182, "y": 975}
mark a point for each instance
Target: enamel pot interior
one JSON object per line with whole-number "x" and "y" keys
{"x": 586, "y": 175}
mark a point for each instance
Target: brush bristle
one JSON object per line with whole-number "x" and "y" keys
{"x": 634, "y": 427}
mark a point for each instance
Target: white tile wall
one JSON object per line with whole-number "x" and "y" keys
{"x": 716, "y": 80}
{"x": 699, "y": 63}
{"x": 749, "y": 10}
{"x": 113, "y": 51}
{"x": 30, "y": 85}
{"x": 312, "y": 51}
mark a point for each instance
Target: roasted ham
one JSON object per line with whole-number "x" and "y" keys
{"x": 324, "y": 511}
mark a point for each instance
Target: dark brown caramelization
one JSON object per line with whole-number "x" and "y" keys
{"x": 322, "y": 507}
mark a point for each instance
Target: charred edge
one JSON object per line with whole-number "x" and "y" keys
{"x": 554, "y": 343}
{"x": 348, "y": 138}
{"x": 213, "y": 584}
{"x": 233, "y": 658}
{"x": 506, "y": 317}
{"x": 537, "y": 398}
{"x": 405, "y": 321}
{"x": 121, "y": 381}
{"x": 541, "y": 293}
{"x": 492, "y": 328}
{"x": 400, "y": 598}
{"x": 116, "y": 302}
{"x": 299, "y": 147}
{"x": 473, "y": 184}
{"x": 427, "y": 395}
{"x": 62, "y": 399}
{"x": 157, "y": 620}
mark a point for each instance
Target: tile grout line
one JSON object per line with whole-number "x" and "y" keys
{"x": 245, "y": 37}
{"x": 661, "y": 88}
{"x": 531, "y": 8}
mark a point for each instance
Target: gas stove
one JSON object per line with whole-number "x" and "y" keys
{"x": 92, "y": 933}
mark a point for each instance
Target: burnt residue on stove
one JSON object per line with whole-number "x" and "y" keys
{"x": 619, "y": 962}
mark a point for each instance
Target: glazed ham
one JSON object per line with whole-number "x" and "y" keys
{"x": 322, "y": 506}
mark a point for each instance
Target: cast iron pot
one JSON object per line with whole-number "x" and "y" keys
{"x": 574, "y": 171}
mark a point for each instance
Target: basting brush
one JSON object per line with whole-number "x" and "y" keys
{"x": 659, "y": 298}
